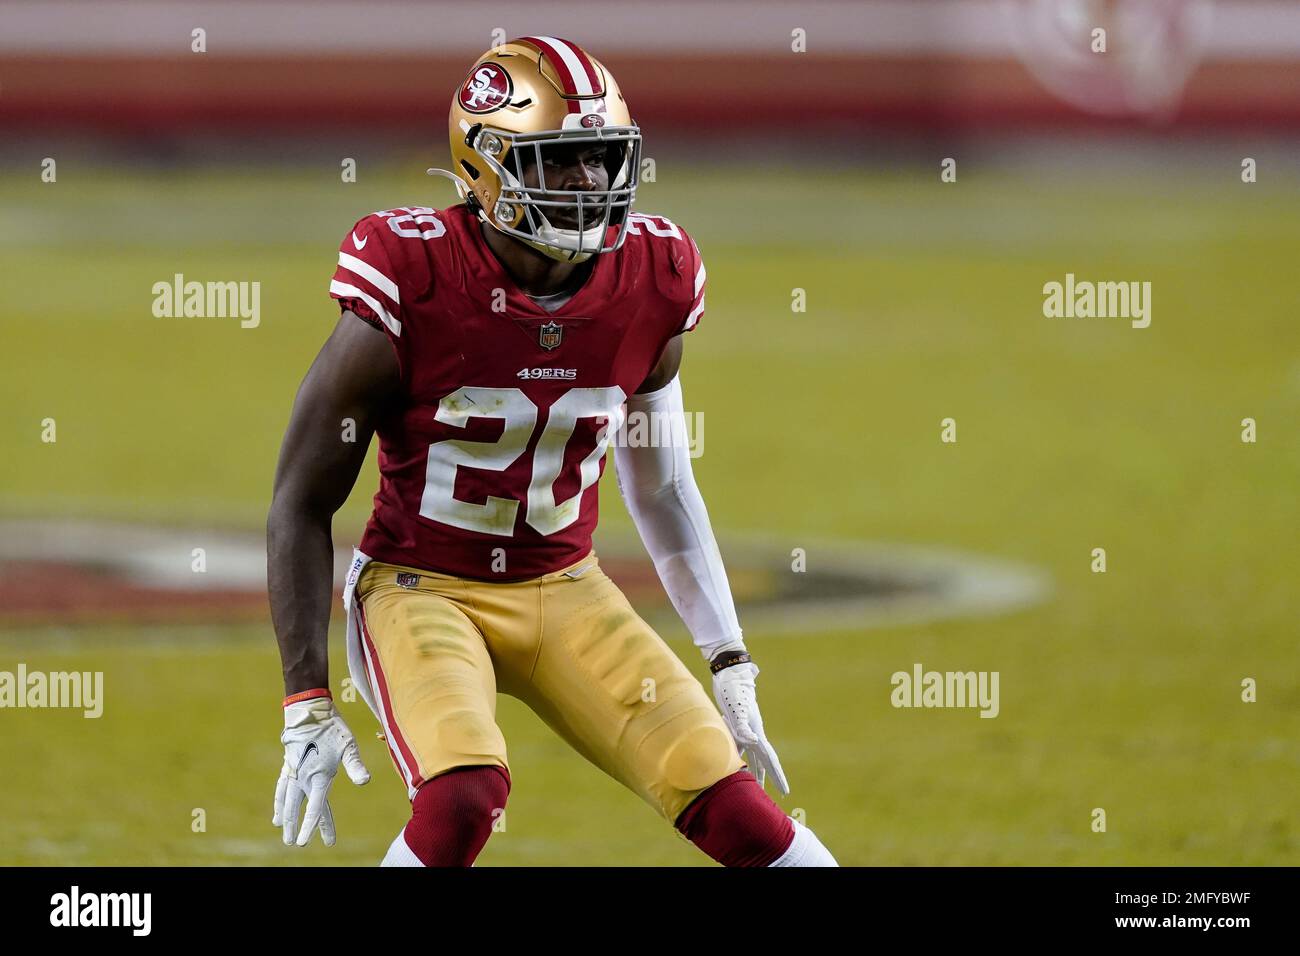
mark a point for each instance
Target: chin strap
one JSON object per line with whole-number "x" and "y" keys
{"x": 555, "y": 252}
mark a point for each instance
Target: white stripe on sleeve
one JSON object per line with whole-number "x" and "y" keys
{"x": 372, "y": 275}
{"x": 343, "y": 290}
{"x": 693, "y": 319}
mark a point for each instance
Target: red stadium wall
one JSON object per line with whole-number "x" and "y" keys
{"x": 866, "y": 64}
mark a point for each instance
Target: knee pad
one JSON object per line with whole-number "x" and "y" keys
{"x": 699, "y": 758}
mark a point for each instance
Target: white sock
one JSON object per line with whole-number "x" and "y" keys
{"x": 400, "y": 853}
{"x": 805, "y": 850}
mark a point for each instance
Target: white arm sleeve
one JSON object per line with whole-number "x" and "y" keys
{"x": 658, "y": 486}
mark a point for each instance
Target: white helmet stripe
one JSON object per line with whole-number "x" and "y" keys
{"x": 581, "y": 81}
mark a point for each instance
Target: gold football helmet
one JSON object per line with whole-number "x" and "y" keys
{"x": 519, "y": 99}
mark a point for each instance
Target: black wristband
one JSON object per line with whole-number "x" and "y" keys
{"x": 727, "y": 659}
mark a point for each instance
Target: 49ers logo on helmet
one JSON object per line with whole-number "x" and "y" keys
{"x": 488, "y": 88}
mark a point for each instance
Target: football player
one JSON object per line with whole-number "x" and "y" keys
{"x": 495, "y": 347}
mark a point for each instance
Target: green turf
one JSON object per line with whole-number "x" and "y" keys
{"x": 924, "y": 301}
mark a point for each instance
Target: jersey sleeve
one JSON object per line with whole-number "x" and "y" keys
{"x": 694, "y": 270}
{"x": 365, "y": 280}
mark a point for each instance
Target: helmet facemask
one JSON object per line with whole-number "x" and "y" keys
{"x": 521, "y": 211}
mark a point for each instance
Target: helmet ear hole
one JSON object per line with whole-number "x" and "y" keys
{"x": 473, "y": 173}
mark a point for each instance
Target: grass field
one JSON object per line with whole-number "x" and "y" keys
{"x": 924, "y": 301}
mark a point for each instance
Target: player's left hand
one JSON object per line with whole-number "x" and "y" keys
{"x": 735, "y": 692}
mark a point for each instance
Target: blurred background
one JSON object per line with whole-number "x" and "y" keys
{"x": 880, "y": 189}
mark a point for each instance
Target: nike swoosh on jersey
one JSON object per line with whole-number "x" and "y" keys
{"x": 359, "y": 243}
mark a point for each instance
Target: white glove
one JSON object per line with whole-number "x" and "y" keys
{"x": 733, "y": 688}
{"x": 316, "y": 741}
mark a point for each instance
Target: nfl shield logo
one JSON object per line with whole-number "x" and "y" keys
{"x": 407, "y": 580}
{"x": 550, "y": 335}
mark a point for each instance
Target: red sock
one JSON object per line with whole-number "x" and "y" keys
{"x": 451, "y": 815}
{"x": 736, "y": 823}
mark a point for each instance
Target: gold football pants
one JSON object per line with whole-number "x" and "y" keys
{"x": 439, "y": 648}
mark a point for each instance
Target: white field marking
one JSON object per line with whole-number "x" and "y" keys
{"x": 71, "y": 851}
{"x": 242, "y": 849}
{"x": 973, "y": 585}
{"x": 156, "y": 557}
{"x": 933, "y": 583}
{"x": 1024, "y": 206}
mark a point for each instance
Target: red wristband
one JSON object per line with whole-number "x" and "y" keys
{"x": 312, "y": 694}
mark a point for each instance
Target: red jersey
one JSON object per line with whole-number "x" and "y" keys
{"x": 488, "y": 469}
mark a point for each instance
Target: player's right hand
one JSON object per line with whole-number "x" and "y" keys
{"x": 316, "y": 741}
{"x": 734, "y": 690}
